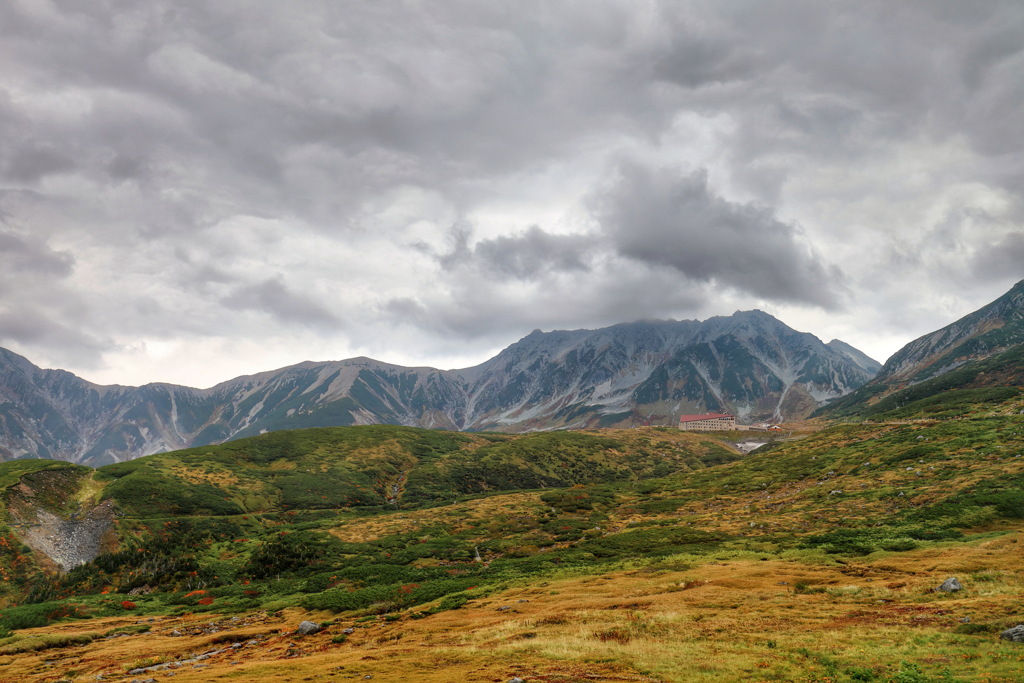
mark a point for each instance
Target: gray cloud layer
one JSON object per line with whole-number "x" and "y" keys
{"x": 659, "y": 218}
{"x": 179, "y": 180}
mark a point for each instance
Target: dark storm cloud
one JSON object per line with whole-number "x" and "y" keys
{"x": 273, "y": 298}
{"x": 1002, "y": 260}
{"x": 528, "y": 255}
{"x": 595, "y": 298}
{"x": 35, "y": 310}
{"x": 663, "y": 218}
{"x": 39, "y": 330}
{"x": 23, "y": 254}
{"x": 30, "y": 163}
{"x": 534, "y": 252}
{"x": 494, "y": 287}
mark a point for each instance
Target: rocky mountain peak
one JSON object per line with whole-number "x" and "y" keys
{"x": 991, "y": 329}
{"x": 749, "y": 363}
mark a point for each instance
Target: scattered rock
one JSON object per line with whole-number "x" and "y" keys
{"x": 516, "y": 680}
{"x": 141, "y": 590}
{"x": 68, "y": 542}
{"x": 504, "y": 608}
{"x": 1014, "y": 634}
{"x": 950, "y": 585}
{"x": 308, "y": 628}
{"x": 965, "y": 620}
{"x": 348, "y": 631}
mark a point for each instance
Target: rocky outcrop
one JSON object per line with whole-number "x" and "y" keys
{"x": 1014, "y": 634}
{"x": 308, "y": 628}
{"x": 49, "y": 519}
{"x": 68, "y": 542}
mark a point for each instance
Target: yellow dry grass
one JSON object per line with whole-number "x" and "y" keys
{"x": 736, "y": 617}
{"x": 454, "y": 517}
{"x": 89, "y": 490}
{"x": 205, "y": 475}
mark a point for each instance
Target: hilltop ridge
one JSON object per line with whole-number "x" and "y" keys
{"x": 984, "y": 349}
{"x": 749, "y": 364}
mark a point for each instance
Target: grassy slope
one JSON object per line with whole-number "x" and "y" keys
{"x": 814, "y": 560}
{"x": 353, "y": 467}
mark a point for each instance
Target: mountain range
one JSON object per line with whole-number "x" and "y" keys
{"x": 750, "y": 364}
{"x": 414, "y": 539}
{"x": 983, "y": 349}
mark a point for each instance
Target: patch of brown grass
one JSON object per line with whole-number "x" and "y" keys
{"x": 740, "y": 619}
{"x": 456, "y": 517}
{"x": 205, "y": 475}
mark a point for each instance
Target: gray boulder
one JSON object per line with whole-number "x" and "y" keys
{"x": 308, "y": 628}
{"x": 950, "y": 585}
{"x": 1014, "y": 634}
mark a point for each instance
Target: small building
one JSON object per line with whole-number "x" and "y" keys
{"x": 709, "y": 422}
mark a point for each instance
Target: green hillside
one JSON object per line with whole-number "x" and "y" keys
{"x": 216, "y": 515}
{"x": 394, "y": 523}
{"x": 383, "y": 466}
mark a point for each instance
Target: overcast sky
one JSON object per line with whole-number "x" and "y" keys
{"x": 194, "y": 190}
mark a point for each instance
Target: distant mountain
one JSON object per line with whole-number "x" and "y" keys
{"x": 860, "y": 358}
{"x": 982, "y": 349}
{"x": 748, "y": 363}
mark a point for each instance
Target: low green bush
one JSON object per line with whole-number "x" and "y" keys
{"x": 46, "y": 642}
{"x": 977, "y": 629}
{"x": 34, "y": 616}
{"x": 395, "y": 596}
{"x": 651, "y": 542}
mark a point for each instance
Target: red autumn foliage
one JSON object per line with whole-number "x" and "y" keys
{"x": 128, "y": 604}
